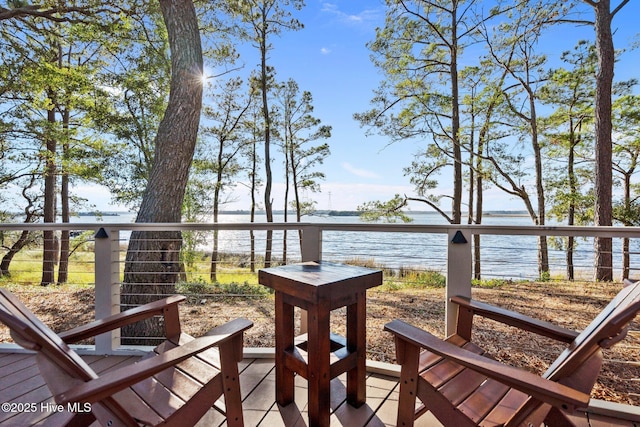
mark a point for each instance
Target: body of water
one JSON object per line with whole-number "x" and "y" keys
{"x": 502, "y": 256}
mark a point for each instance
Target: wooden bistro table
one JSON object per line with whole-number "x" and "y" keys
{"x": 319, "y": 356}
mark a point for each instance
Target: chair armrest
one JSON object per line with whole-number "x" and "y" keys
{"x": 119, "y": 379}
{"x": 119, "y": 320}
{"x": 540, "y": 388}
{"x": 518, "y": 320}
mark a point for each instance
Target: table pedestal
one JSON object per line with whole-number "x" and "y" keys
{"x": 320, "y": 356}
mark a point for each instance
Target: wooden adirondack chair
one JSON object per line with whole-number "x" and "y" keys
{"x": 174, "y": 386}
{"x": 461, "y": 386}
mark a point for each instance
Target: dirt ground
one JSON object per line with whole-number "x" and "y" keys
{"x": 571, "y": 305}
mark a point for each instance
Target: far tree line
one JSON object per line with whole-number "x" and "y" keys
{"x": 114, "y": 93}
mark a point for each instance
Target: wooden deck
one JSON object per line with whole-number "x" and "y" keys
{"x": 31, "y": 403}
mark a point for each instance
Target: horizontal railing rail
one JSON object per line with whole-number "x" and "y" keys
{"x": 546, "y": 230}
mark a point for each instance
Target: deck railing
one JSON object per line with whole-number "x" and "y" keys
{"x": 444, "y": 248}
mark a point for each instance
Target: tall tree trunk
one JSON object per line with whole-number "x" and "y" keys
{"x": 456, "y": 208}
{"x": 573, "y": 189}
{"x": 543, "y": 250}
{"x": 477, "y": 258}
{"x": 213, "y": 275}
{"x": 50, "y": 249}
{"x": 483, "y": 142}
{"x": 473, "y": 192}
{"x": 472, "y": 176}
{"x": 287, "y": 175}
{"x": 152, "y": 263}
{"x": 477, "y": 264}
{"x": 63, "y": 264}
{"x": 284, "y": 232}
{"x": 296, "y": 195}
{"x": 252, "y": 219}
{"x": 626, "y": 270}
{"x": 603, "y": 149}
{"x": 264, "y": 85}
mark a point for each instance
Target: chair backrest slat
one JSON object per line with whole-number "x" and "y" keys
{"x": 610, "y": 323}
{"x": 29, "y": 332}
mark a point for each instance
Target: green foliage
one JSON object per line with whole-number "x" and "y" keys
{"x": 223, "y": 142}
{"x": 389, "y": 211}
{"x": 627, "y": 213}
{"x": 490, "y": 283}
{"x": 402, "y": 277}
{"x": 561, "y": 243}
{"x": 626, "y": 154}
{"x": 191, "y": 242}
{"x": 299, "y": 130}
{"x": 405, "y": 278}
{"x": 196, "y": 287}
{"x": 419, "y": 49}
{"x": 56, "y": 62}
{"x": 199, "y": 288}
{"x": 132, "y": 98}
{"x": 244, "y": 288}
{"x": 568, "y": 135}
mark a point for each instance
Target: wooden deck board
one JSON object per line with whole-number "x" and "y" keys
{"x": 21, "y": 382}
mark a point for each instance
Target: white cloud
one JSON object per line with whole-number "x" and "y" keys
{"x": 362, "y": 173}
{"x": 325, "y": 51}
{"x": 364, "y": 17}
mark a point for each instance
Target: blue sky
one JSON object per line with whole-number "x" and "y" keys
{"x": 329, "y": 58}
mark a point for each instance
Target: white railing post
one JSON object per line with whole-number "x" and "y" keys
{"x": 459, "y": 261}
{"x": 311, "y": 244}
{"x": 311, "y": 250}
{"x": 107, "y": 271}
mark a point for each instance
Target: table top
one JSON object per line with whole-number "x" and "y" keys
{"x": 312, "y": 280}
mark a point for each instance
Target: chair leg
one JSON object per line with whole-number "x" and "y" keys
{"x": 408, "y": 355}
{"x": 231, "y": 384}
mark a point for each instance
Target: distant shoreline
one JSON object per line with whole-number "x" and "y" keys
{"x": 316, "y": 213}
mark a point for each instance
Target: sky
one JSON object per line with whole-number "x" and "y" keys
{"x": 330, "y": 59}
